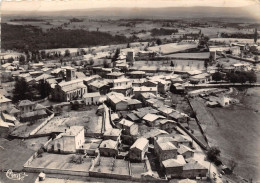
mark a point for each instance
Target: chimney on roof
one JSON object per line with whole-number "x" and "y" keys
{"x": 65, "y": 130}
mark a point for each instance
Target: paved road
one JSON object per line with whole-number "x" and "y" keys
{"x": 107, "y": 124}
{"x": 220, "y": 85}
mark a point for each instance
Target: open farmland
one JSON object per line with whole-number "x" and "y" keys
{"x": 235, "y": 130}
{"x": 172, "y": 48}
{"x": 179, "y": 65}
{"x": 13, "y": 154}
{"x": 201, "y": 55}
{"x": 213, "y": 31}
{"x": 228, "y": 40}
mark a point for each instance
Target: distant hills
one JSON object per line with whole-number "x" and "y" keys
{"x": 171, "y": 12}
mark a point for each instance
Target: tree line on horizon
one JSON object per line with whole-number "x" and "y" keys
{"x": 26, "y": 37}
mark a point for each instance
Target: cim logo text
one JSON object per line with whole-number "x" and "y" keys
{"x": 15, "y": 176}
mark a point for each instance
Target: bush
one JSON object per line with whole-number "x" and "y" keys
{"x": 78, "y": 159}
{"x": 217, "y": 76}
{"x": 75, "y": 105}
{"x": 213, "y": 154}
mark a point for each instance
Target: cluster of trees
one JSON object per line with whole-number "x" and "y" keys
{"x": 162, "y": 32}
{"x": 24, "y": 38}
{"x": 27, "y": 20}
{"x": 23, "y": 90}
{"x": 76, "y": 20}
{"x": 236, "y": 77}
{"x": 241, "y": 77}
{"x": 237, "y": 35}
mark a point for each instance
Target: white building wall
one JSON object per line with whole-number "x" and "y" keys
{"x": 80, "y": 139}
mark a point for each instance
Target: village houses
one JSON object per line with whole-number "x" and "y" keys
{"x": 68, "y": 141}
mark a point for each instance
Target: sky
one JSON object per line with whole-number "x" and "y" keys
{"x": 57, "y": 5}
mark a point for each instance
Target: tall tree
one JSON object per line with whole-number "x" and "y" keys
{"x": 67, "y": 53}
{"x": 158, "y": 41}
{"x": 22, "y": 60}
{"x": 44, "y": 88}
{"x": 105, "y": 64}
{"x": 116, "y": 55}
{"x": 255, "y": 35}
{"x": 10, "y": 60}
{"x": 21, "y": 91}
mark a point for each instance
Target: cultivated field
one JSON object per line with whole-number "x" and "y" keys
{"x": 172, "y": 48}
{"x": 60, "y": 162}
{"x": 107, "y": 166}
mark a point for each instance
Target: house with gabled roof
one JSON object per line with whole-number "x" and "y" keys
{"x": 26, "y": 106}
{"x": 71, "y": 140}
{"x": 128, "y": 127}
{"x": 92, "y": 98}
{"x": 117, "y": 101}
{"x": 167, "y": 125}
{"x": 132, "y": 117}
{"x": 134, "y": 104}
{"x": 113, "y": 134}
{"x": 101, "y": 86}
{"x": 194, "y": 170}
{"x": 152, "y": 119}
{"x": 5, "y": 103}
{"x": 13, "y": 111}
{"x": 39, "y": 107}
{"x": 166, "y": 150}
{"x": 174, "y": 167}
{"x": 138, "y": 149}
{"x": 108, "y": 148}
{"x": 137, "y": 91}
{"x": 181, "y": 139}
{"x": 178, "y": 116}
{"x": 185, "y": 151}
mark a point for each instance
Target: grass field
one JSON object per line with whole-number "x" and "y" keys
{"x": 236, "y": 131}
{"x": 13, "y": 154}
{"x": 35, "y": 143}
{"x": 24, "y": 129}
